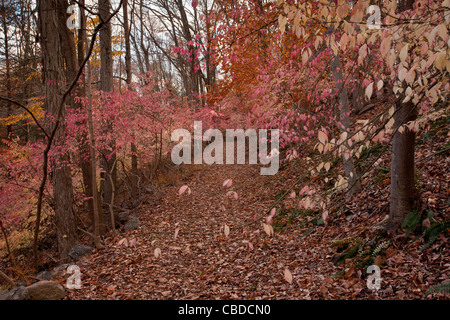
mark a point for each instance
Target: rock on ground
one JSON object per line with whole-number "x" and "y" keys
{"x": 79, "y": 250}
{"x": 46, "y": 290}
{"x": 132, "y": 223}
{"x": 60, "y": 270}
{"x": 15, "y": 293}
{"x": 45, "y": 275}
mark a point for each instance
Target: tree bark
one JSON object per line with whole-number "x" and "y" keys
{"x": 84, "y": 146}
{"x": 106, "y": 79}
{"x": 54, "y": 78}
{"x": 403, "y": 191}
{"x": 7, "y": 69}
{"x": 126, "y": 30}
{"x": 193, "y": 85}
{"x": 93, "y": 175}
{"x": 87, "y": 162}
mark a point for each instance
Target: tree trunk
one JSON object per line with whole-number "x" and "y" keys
{"x": 403, "y": 191}
{"x": 84, "y": 146}
{"x": 7, "y": 70}
{"x": 106, "y": 79}
{"x": 126, "y": 30}
{"x": 54, "y": 78}
{"x": 193, "y": 84}
{"x": 97, "y": 207}
{"x": 349, "y": 167}
{"x": 87, "y": 162}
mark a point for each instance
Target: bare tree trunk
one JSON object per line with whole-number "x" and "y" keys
{"x": 126, "y": 29}
{"x": 87, "y": 161}
{"x": 210, "y": 69}
{"x": 97, "y": 207}
{"x": 84, "y": 141}
{"x": 53, "y": 66}
{"x": 403, "y": 191}
{"x": 27, "y": 64}
{"x": 111, "y": 204}
{"x": 7, "y": 70}
{"x": 349, "y": 167}
{"x": 193, "y": 86}
{"x": 106, "y": 79}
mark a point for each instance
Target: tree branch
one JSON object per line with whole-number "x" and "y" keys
{"x": 28, "y": 111}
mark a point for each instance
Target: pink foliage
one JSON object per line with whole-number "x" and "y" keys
{"x": 20, "y": 172}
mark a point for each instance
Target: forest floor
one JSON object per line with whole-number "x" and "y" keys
{"x": 181, "y": 249}
{"x": 182, "y": 252}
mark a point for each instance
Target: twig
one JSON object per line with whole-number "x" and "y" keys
{"x": 28, "y": 111}
{"x": 8, "y": 279}
{"x": 86, "y": 233}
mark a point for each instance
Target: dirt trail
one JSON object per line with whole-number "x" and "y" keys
{"x": 201, "y": 262}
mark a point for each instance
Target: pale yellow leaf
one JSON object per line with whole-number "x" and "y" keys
{"x": 320, "y": 148}
{"x": 440, "y": 61}
{"x": 402, "y": 74}
{"x": 323, "y": 137}
{"x": 226, "y": 230}
{"x": 380, "y": 84}
{"x": 288, "y": 275}
{"x": 320, "y": 166}
{"x": 268, "y": 229}
{"x": 404, "y": 54}
{"x": 410, "y": 76}
{"x": 369, "y": 90}
{"x": 305, "y": 57}
{"x": 157, "y": 253}
{"x": 385, "y": 46}
{"x": 325, "y": 215}
{"x": 282, "y": 23}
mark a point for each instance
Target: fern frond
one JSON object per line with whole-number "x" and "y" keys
{"x": 437, "y": 228}
{"x": 410, "y": 222}
{"x": 380, "y": 247}
{"x": 439, "y": 288}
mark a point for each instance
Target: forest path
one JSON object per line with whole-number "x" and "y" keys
{"x": 201, "y": 262}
